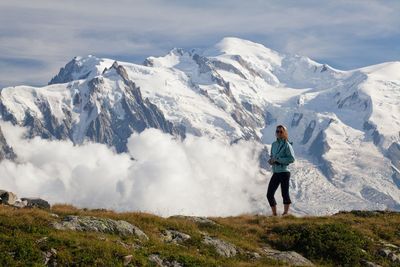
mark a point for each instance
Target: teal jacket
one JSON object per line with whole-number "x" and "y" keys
{"x": 283, "y": 152}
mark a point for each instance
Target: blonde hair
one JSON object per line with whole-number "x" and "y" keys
{"x": 285, "y": 132}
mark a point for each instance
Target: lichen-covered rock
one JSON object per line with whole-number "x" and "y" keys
{"x": 36, "y": 203}
{"x": 173, "y": 236}
{"x": 223, "y": 248}
{"x": 291, "y": 257}
{"x": 163, "y": 263}
{"x": 103, "y": 225}
{"x": 7, "y": 197}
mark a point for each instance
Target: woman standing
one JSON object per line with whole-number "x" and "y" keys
{"x": 282, "y": 155}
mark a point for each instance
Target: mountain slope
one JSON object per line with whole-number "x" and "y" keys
{"x": 53, "y": 237}
{"x": 345, "y": 125}
{"x": 6, "y": 152}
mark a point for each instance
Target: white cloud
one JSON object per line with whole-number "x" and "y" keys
{"x": 198, "y": 176}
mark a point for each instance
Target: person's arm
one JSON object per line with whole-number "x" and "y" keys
{"x": 289, "y": 158}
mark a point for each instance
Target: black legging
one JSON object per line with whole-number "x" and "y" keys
{"x": 276, "y": 179}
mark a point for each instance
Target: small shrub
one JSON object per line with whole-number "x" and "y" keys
{"x": 334, "y": 242}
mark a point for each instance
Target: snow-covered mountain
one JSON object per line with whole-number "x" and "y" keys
{"x": 345, "y": 125}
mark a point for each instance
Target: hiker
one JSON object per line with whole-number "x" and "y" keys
{"x": 282, "y": 155}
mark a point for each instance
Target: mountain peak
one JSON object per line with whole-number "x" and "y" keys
{"x": 246, "y": 49}
{"x": 81, "y": 68}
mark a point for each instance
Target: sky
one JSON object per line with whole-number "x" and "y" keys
{"x": 38, "y": 37}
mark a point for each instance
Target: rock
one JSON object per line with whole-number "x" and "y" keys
{"x": 6, "y": 151}
{"x": 390, "y": 255}
{"x": 156, "y": 259}
{"x": 41, "y": 240}
{"x": 384, "y": 252}
{"x": 394, "y": 258}
{"x": 50, "y": 257}
{"x": 223, "y": 248}
{"x": 369, "y": 264}
{"x": 290, "y": 257}
{"x": 128, "y": 259}
{"x": 103, "y": 225}
{"x": 36, "y": 203}
{"x": 389, "y": 245}
{"x": 173, "y": 236}
{"x": 253, "y": 255}
{"x": 196, "y": 219}
{"x": 7, "y": 197}
{"x": 127, "y": 246}
{"x": 163, "y": 263}
{"x": 20, "y": 204}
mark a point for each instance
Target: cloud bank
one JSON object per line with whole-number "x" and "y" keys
{"x": 160, "y": 175}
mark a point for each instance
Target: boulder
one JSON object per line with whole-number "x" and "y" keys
{"x": 173, "y": 236}
{"x": 7, "y": 197}
{"x": 36, "y": 203}
{"x": 290, "y": 257}
{"x": 223, "y": 248}
{"x": 96, "y": 224}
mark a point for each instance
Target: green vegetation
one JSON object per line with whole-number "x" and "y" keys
{"x": 343, "y": 239}
{"x": 334, "y": 242}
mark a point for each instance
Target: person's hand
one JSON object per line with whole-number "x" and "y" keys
{"x": 271, "y": 161}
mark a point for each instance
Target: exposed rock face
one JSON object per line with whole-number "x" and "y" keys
{"x": 223, "y": 248}
{"x": 308, "y": 132}
{"x": 393, "y": 153}
{"x": 371, "y": 130}
{"x": 289, "y": 257}
{"x": 296, "y": 119}
{"x": 379, "y": 197}
{"x": 245, "y": 118}
{"x": 139, "y": 114}
{"x": 318, "y": 148}
{"x": 6, "y": 152}
{"x": 173, "y": 236}
{"x": 72, "y": 71}
{"x": 102, "y": 118}
{"x": 95, "y": 224}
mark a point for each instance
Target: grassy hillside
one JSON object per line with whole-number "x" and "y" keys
{"x": 28, "y": 238}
